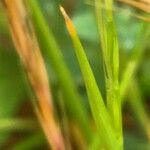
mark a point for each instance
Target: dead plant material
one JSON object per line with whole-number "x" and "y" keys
{"x": 143, "y": 5}
{"x": 26, "y": 45}
{"x": 128, "y": 2}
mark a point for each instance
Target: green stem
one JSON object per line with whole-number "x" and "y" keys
{"x": 99, "y": 111}
{"x": 109, "y": 44}
{"x": 48, "y": 43}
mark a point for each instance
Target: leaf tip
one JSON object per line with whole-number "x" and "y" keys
{"x": 68, "y": 21}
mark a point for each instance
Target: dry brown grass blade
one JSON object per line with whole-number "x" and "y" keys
{"x": 145, "y": 1}
{"x": 142, "y": 5}
{"x": 26, "y": 45}
{"x": 118, "y": 9}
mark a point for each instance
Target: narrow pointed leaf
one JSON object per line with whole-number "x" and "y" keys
{"x": 100, "y": 114}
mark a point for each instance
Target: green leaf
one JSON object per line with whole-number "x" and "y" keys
{"x": 100, "y": 114}
{"x": 110, "y": 51}
{"x": 72, "y": 100}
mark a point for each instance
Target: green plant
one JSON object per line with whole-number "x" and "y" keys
{"x": 109, "y": 127}
{"x": 60, "y": 110}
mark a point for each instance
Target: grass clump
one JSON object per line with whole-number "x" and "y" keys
{"x": 60, "y": 110}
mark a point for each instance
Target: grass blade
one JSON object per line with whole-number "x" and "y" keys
{"x": 136, "y": 57}
{"x": 110, "y": 50}
{"x": 137, "y": 106}
{"x": 27, "y": 48}
{"x": 98, "y": 108}
{"x": 72, "y": 99}
{"x": 17, "y": 124}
